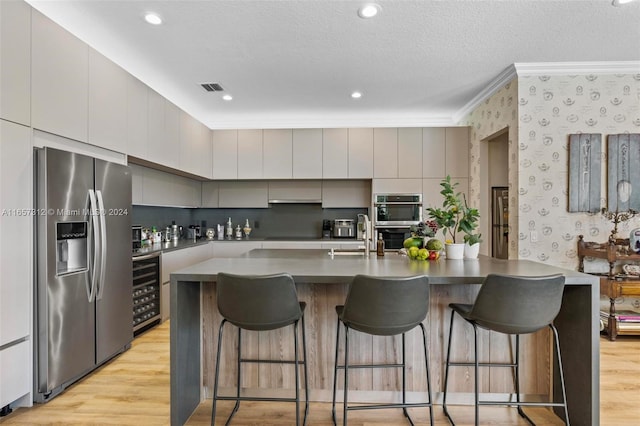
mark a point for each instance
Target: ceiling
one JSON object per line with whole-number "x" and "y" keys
{"x": 294, "y": 64}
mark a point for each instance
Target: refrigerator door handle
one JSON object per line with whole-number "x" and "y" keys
{"x": 93, "y": 211}
{"x": 103, "y": 244}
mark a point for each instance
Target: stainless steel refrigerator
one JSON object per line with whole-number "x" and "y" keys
{"x": 83, "y": 296}
{"x": 500, "y": 222}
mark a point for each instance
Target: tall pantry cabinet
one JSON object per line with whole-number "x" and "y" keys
{"x": 16, "y": 171}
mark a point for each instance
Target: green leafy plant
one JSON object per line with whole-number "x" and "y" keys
{"x": 455, "y": 216}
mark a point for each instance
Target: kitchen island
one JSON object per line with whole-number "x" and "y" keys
{"x": 322, "y": 281}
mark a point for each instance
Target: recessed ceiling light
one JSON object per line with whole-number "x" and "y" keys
{"x": 227, "y": 97}
{"x": 368, "y": 10}
{"x": 356, "y": 95}
{"x": 153, "y": 19}
{"x": 620, "y": 2}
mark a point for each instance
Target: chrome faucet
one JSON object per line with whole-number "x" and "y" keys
{"x": 366, "y": 232}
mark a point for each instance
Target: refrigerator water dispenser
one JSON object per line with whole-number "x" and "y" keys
{"x": 71, "y": 247}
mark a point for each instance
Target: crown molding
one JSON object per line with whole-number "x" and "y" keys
{"x": 545, "y": 68}
{"x": 428, "y": 120}
{"x": 507, "y": 75}
{"x": 572, "y": 68}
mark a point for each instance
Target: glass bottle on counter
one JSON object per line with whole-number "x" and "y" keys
{"x": 380, "y": 246}
{"x": 247, "y": 229}
{"x": 238, "y": 233}
{"x": 229, "y": 231}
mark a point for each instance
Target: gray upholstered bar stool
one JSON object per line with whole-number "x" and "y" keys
{"x": 260, "y": 302}
{"x": 383, "y": 306}
{"x": 511, "y": 305}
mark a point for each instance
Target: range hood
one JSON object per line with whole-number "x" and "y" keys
{"x": 295, "y": 192}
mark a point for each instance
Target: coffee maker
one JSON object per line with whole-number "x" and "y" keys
{"x": 326, "y": 229}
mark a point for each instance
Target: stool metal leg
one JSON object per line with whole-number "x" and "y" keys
{"x": 564, "y": 391}
{"x": 335, "y": 376}
{"x": 426, "y": 362}
{"x": 306, "y": 375}
{"x": 404, "y": 380}
{"x": 476, "y": 374}
{"x": 346, "y": 373}
{"x": 217, "y": 374}
{"x": 297, "y": 371}
{"x": 446, "y": 371}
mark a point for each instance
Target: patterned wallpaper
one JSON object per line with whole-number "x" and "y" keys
{"x": 548, "y": 109}
{"x": 496, "y": 113}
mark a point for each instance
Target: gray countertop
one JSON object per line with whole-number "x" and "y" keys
{"x": 316, "y": 266}
{"x": 185, "y": 243}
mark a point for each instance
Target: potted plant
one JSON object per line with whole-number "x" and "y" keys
{"x": 468, "y": 225}
{"x": 455, "y": 217}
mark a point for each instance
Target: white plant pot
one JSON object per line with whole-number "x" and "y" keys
{"x": 454, "y": 251}
{"x": 471, "y": 252}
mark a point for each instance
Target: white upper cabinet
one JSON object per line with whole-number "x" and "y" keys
{"x": 457, "y": 151}
{"x": 410, "y": 152}
{"x": 385, "y": 153}
{"x": 195, "y": 146}
{"x": 166, "y": 189}
{"x": 210, "y": 194}
{"x": 243, "y": 194}
{"x": 277, "y": 148}
{"x": 225, "y": 154}
{"x": 60, "y": 80}
{"x": 107, "y": 103}
{"x": 164, "y": 131}
{"x": 361, "y": 153}
{"x": 335, "y": 153}
{"x": 250, "y": 154}
{"x": 15, "y": 57}
{"x": 137, "y": 118}
{"x": 137, "y": 178}
{"x": 307, "y": 154}
{"x": 433, "y": 152}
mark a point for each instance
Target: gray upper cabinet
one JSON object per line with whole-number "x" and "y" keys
{"x": 385, "y": 153}
{"x": 346, "y": 193}
{"x": 307, "y": 154}
{"x": 277, "y": 148}
{"x": 457, "y": 151}
{"x": 410, "y": 152}
{"x": 107, "y": 103}
{"x": 360, "y": 153}
{"x": 210, "y": 194}
{"x": 433, "y": 152}
{"x": 60, "y": 80}
{"x": 165, "y": 189}
{"x": 335, "y": 153}
{"x": 137, "y": 118}
{"x": 250, "y": 154}
{"x": 225, "y": 154}
{"x": 15, "y": 57}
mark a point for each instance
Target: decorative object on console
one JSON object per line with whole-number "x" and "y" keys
{"x": 617, "y": 217}
{"x": 584, "y": 172}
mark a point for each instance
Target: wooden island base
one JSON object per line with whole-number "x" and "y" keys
{"x": 322, "y": 283}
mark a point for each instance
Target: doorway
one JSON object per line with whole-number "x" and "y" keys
{"x": 494, "y": 155}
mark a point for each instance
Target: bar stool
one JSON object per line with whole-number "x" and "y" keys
{"x": 260, "y": 302}
{"x": 512, "y": 305}
{"x": 383, "y": 306}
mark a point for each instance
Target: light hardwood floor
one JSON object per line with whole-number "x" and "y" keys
{"x": 133, "y": 390}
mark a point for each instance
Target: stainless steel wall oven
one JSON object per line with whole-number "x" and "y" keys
{"x": 393, "y": 210}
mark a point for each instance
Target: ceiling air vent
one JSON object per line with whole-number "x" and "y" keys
{"x": 212, "y": 87}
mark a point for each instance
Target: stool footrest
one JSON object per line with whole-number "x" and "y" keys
{"x": 385, "y": 406}
{"x": 522, "y": 404}
{"x": 251, "y": 398}
{"x": 481, "y": 364}
{"x": 341, "y": 367}
{"x": 270, "y": 361}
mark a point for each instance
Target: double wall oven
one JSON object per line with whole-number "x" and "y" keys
{"x": 393, "y": 216}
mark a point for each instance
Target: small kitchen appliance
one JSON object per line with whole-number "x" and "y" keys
{"x": 343, "y": 228}
{"x": 326, "y": 229}
{"x": 136, "y": 237}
